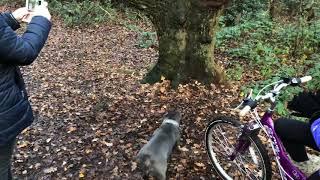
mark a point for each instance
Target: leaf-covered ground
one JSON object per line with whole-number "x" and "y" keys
{"x": 93, "y": 115}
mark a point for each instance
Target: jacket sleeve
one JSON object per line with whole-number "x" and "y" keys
{"x": 23, "y": 50}
{"x": 315, "y": 130}
{"x": 10, "y": 20}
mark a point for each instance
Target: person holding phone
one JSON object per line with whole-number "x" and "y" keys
{"x": 15, "y": 110}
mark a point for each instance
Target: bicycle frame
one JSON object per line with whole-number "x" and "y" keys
{"x": 251, "y": 129}
{"x": 287, "y": 170}
{"x": 286, "y": 167}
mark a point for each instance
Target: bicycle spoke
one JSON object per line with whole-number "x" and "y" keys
{"x": 244, "y": 160}
{"x": 226, "y": 140}
{"x": 245, "y": 164}
{"x": 223, "y": 144}
{"x": 244, "y": 170}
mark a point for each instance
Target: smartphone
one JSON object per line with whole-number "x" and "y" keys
{"x": 31, "y": 4}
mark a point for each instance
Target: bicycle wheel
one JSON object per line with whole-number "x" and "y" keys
{"x": 221, "y": 138}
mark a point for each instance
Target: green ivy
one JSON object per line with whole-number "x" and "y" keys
{"x": 235, "y": 73}
{"x": 315, "y": 73}
{"x": 240, "y": 11}
{"x": 147, "y": 39}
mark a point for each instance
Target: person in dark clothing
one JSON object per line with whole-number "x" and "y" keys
{"x": 15, "y": 110}
{"x": 296, "y": 135}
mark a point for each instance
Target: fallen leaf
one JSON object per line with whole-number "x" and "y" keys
{"x": 200, "y": 164}
{"x": 81, "y": 175}
{"x": 133, "y": 166}
{"x": 184, "y": 149}
{"x": 50, "y": 170}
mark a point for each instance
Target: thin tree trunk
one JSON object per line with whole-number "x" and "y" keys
{"x": 272, "y": 11}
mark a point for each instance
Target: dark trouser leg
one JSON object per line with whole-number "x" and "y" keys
{"x": 295, "y": 135}
{"x": 314, "y": 176}
{"x": 5, "y": 160}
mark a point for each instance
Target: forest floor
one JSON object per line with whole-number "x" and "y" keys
{"x": 92, "y": 114}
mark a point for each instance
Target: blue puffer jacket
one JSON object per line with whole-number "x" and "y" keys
{"x": 15, "y": 110}
{"x": 315, "y": 129}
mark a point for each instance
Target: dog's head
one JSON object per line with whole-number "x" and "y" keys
{"x": 173, "y": 115}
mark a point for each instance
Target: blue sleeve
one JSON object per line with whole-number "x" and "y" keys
{"x": 23, "y": 50}
{"x": 10, "y": 20}
{"x": 315, "y": 129}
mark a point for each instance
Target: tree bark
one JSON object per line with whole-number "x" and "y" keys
{"x": 186, "y": 31}
{"x": 272, "y": 13}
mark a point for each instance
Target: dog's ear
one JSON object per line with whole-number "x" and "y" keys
{"x": 174, "y": 115}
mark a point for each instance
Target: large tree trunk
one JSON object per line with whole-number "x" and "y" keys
{"x": 186, "y": 31}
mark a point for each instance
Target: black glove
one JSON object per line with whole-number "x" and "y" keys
{"x": 314, "y": 117}
{"x": 305, "y": 103}
{"x": 10, "y": 20}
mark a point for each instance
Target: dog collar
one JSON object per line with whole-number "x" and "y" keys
{"x": 171, "y": 121}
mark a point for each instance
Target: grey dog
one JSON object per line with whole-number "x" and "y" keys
{"x": 153, "y": 157}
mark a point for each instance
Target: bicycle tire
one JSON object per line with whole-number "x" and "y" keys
{"x": 255, "y": 143}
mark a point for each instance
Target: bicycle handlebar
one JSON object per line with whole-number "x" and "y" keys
{"x": 281, "y": 84}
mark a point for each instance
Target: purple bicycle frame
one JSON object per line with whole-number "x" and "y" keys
{"x": 287, "y": 170}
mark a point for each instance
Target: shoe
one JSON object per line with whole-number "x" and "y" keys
{"x": 310, "y": 166}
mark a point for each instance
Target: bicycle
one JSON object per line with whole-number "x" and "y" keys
{"x": 235, "y": 149}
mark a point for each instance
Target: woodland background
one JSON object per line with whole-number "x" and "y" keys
{"x": 93, "y": 114}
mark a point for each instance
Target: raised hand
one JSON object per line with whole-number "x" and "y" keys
{"x": 20, "y": 13}
{"x": 41, "y": 10}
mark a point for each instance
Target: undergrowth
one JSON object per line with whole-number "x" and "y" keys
{"x": 274, "y": 49}
{"x": 82, "y": 13}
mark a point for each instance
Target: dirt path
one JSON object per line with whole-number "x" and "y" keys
{"x": 93, "y": 115}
